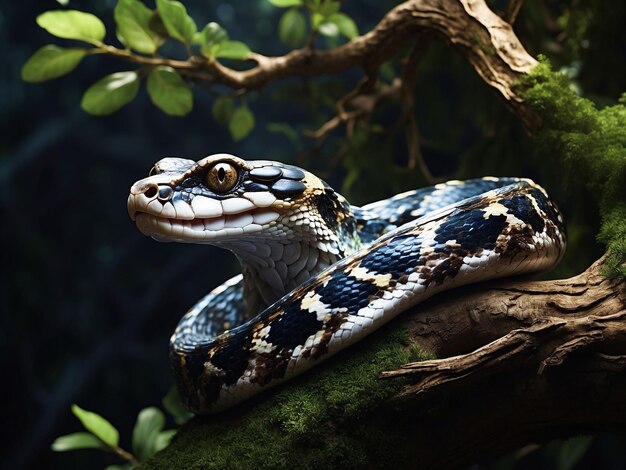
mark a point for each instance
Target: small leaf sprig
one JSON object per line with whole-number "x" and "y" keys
{"x": 142, "y": 31}
{"x": 148, "y": 435}
{"x": 325, "y": 19}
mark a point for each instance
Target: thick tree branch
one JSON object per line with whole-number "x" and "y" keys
{"x": 521, "y": 362}
{"x": 486, "y": 40}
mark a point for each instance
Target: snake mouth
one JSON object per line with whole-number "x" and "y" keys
{"x": 203, "y": 229}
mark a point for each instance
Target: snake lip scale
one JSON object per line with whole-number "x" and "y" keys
{"x": 319, "y": 274}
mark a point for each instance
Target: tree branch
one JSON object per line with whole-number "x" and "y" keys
{"x": 486, "y": 40}
{"x": 543, "y": 356}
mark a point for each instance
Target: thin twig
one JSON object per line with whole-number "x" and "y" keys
{"x": 409, "y": 72}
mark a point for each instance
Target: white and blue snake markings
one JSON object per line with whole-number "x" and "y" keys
{"x": 319, "y": 274}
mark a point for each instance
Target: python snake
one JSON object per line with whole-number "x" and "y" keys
{"x": 319, "y": 274}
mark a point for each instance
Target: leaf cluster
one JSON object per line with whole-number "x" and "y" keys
{"x": 148, "y": 435}
{"x": 325, "y": 19}
{"x": 142, "y": 31}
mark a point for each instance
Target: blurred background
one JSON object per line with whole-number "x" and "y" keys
{"x": 88, "y": 304}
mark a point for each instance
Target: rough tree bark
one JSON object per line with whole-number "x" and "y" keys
{"x": 521, "y": 362}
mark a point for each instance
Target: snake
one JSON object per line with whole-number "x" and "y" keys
{"x": 319, "y": 274}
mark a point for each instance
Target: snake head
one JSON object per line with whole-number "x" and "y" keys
{"x": 223, "y": 198}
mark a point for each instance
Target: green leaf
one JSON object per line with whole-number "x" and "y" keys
{"x": 292, "y": 27}
{"x": 169, "y": 92}
{"x": 174, "y": 406}
{"x": 150, "y": 422}
{"x": 163, "y": 439}
{"x": 345, "y": 24}
{"x": 77, "y": 440}
{"x": 72, "y": 24}
{"x": 222, "y": 111}
{"x": 231, "y": 50}
{"x": 178, "y": 24}
{"x": 241, "y": 123}
{"x": 110, "y": 93}
{"x": 286, "y": 3}
{"x": 133, "y": 24}
{"x": 327, "y": 8}
{"x": 572, "y": 450}
{"x": 212, "y": 34}
{"x": 51, "y": 62}
{"x": 97, "y": 425}
{"x": 329, "y": 29}
{"x": 316, "y": 20}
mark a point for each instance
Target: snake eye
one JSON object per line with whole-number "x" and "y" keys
{"x": 221, "y": 177}
{"x": 153, "y": 171}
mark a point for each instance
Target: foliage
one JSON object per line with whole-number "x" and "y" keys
{"x": 325, "y": 20}
{"x": 590, "y": 144}
{"x": 148, "y": 435}
{"x": 145, "y": 31}
{"x": 323, "y": 420}
{"x": 142, "y": 31}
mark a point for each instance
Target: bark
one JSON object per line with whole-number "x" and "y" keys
{"x": 482, "y": 37}
{"x": 521, "y": 362}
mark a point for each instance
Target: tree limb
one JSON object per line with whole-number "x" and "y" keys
{"x": 487, "y": 41}
{"x": 521, "y": 362}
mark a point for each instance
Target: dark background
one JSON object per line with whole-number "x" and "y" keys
{"x": 87, "y": 303}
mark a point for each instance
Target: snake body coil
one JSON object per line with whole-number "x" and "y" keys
{"x": 317, "y": 273}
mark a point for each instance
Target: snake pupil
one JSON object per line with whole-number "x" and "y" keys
{"x": 221, "y": 177}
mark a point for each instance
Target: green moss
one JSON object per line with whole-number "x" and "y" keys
{"x": 590, "y": 144}
{"x": 326, "y": 419}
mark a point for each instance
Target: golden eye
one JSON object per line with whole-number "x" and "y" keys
{"x": 221, "y": 177}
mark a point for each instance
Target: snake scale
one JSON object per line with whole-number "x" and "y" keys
{"x": 319, "y": 274}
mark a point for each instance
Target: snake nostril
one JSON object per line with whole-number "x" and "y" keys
{"x": 151, "y": 191}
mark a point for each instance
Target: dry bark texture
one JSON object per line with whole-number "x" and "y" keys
{"x": 486, "y": 40}
{"x": 522, "y": 362}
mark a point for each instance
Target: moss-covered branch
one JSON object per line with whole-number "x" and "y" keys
{"x": 547, "y": 360}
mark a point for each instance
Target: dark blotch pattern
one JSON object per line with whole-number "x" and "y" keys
{"x": 326, "y": 206}
{"x": 471, "y": 230}
{"x": 399, "y": 257}
{"x": 522, "y": 208}
{"x": 194, "y": 361}
{"x": 546, "y": 206}
{"x": 343, "y": 290}
{"x": 233, "y": 356}
{"x": 285, "y": 188}
{"x": 293, "y": 327}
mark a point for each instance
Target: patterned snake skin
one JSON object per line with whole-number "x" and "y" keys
{"x": 319, "y": 274}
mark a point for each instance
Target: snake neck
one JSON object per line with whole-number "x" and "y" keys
{"x": 273, "y": 267}
{"x": 267, "y": 279}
